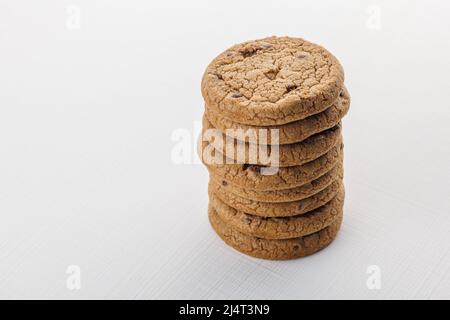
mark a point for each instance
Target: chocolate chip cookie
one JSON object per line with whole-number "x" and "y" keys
{"x": 285, "y": 195}
{"x": 272, "y": 81}
{"x": 276, "y": 209}
{"x": 280, "y": 228}
{"x": 290, "y": 132}
{"x": 251, "y": 177}
{"x": 281, "y": 249}
{"x": 288, "y": 155}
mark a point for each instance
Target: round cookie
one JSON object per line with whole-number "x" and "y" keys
{"x": 288, "y": 154}
{"x": 272, "y": 81}
{"x": 274, "y": 249}
{"x": 251, "y": 177}
{"x": 290, "y": 132}
{"x": 285, "y": 195}
{"x": 280, "y": 228}
{"x": 276, "y": 209}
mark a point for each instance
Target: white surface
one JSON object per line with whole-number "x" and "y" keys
{"x": 86, "y": 177}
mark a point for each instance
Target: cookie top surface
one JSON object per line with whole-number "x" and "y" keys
{"x": 272, "y": 81}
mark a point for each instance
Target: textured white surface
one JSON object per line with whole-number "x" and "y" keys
{"x": 86, "y": 176}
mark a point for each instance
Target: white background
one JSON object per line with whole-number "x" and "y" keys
{"x": 87, "y": 178}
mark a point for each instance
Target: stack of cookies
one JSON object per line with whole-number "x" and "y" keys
{"x": 272, "y": 144}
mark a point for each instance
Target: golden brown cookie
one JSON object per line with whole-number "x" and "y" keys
{"x": 280, "y": 228}
{"x": 272, "y": 81}
{"x": 251, "y": 177}
{"x": 276, "y": 209}
{"x": 290, "y": 132}
{"x": 288, "y": 155}
{"x": 285, "y": 195}
{"x": 274, "y": 249}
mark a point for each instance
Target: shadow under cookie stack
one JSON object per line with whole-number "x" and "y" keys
{"x": 272, "y": 144}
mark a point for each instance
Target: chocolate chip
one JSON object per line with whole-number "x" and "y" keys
{"x": 248, "y": 52}
{"x": 251, "y": 167}
{"x": 224, "y": 183}
{"x": 342, "y": 94}
{"x": 302, "y": 56}
{"x": 237, "y": 95}
{"x": 271, "y": 74}
{"x": 296, "y": 247}
{"x": 266, "y": 46}
{"x": 219, "y": 76}
{"x": 291, "y": 87}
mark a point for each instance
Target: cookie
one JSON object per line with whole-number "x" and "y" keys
{"x": 288, "y": 133}
{"x": 251, "y": 177}
{"x": 280, "y": 228}
{"x": 282, "y": 249}
{"x": 285, "y": 195}
{"x": 275, "y": 209}
{"x": 272, "y": 81}
{"x": 288, "y": 154}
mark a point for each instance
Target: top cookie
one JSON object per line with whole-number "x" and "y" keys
{"x": 272, "y": 81}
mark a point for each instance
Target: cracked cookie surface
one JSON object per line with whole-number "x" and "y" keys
{"x": 281, "y": 249}
{"x": 280, "y": 228}
{"x": 290, "y": 132}
{"x": 272, "y": 81}
{"x": 288, "y": 154}
{"x": 276, "y": 209}
{"x": 251, "y": 177}
{"x": 285, "y": 195}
